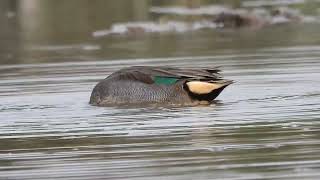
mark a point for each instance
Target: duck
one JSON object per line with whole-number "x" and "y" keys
{"x": 159, "y": 85}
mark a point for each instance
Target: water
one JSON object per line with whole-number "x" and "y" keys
{"x": 265, "y": 126}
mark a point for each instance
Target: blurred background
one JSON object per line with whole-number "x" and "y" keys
{"x": 82, "y": 30}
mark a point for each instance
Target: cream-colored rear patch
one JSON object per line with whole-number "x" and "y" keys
{"x": 199, "y": 87}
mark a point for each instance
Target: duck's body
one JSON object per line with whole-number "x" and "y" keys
{"x": 161, "y": 85}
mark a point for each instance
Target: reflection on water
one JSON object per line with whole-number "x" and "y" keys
{"x": 265, "y": 126}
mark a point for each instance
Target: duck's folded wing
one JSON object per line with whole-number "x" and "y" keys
{"x": 177, "y": 72}
{"x": 165, "y": 75}
{"x": 131, "y": 76}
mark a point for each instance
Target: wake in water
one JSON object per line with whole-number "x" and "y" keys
{"x": 136, "y": 28}
{"x": 210, "y": 17}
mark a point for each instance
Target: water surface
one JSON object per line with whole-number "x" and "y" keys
{"x": 265, "y": 126}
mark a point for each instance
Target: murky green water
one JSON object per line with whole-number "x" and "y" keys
{"x": 265, "y": 126}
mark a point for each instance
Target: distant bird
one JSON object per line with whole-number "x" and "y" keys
{"x": 159, "y": 85}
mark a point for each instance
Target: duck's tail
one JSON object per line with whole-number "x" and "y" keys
{"x": 206, "y": 90}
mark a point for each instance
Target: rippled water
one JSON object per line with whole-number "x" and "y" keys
{"x": 266, "y": 125}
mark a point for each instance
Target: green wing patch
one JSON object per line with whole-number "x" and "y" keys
{"x": 165, "y": 80}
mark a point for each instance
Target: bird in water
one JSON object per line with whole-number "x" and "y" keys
{"x": 140, "y": 85}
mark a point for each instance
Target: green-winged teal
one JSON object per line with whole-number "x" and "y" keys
{"x": 161, "y": 85}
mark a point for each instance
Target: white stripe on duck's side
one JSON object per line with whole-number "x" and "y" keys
{"x": 199, "y": 87}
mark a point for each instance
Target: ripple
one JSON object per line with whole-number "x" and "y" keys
{"x": 264, "y": 126}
